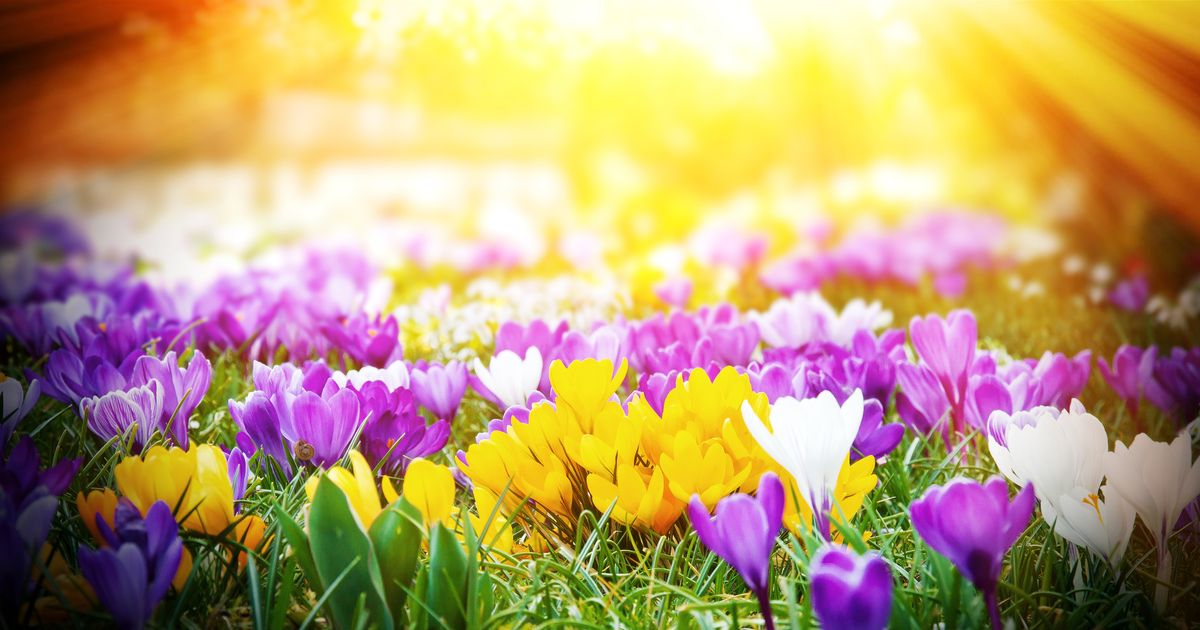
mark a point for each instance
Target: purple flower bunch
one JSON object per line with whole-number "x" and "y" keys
{"x": 66, "y": 307}
{"x": 309, "y": 306}
{"x": 134, "y": 571}
{"x": 309, "y": 417}
{"x": 956, "y": 387}
{"x": 28, "y": 502}
{"x": 939, "y": 245}
{"x": 1169, "y": 381}
{"x": 145, "y": 393}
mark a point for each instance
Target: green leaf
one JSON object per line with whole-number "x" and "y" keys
{"x": 337, "y": 540}
{"x": 300, "y": 548}
{"x": 448, "y": 579}
{"x": 396, "y": 535}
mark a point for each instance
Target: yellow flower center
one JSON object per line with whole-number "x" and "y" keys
{"x": 1094, "y": 501}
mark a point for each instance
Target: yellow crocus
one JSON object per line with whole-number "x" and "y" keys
{"x": 358, "y": 486}
{"x": 707, "y": 471}
{"x": 586, "y": 385}
{"x": 430, "y": 487}
{"x": 636, "y": 499}
{"x": 97, "y": 502}
{"x": 195, "y": 481}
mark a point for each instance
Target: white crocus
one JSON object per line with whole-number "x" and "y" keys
{"x": 1062, "y": 453}
{"x": 511, "y": 378}
{"x": 794, "y": 321}
{"x": 1159, "y": 480}
{"x": 811, "y": 439}
{"x": 1101, "y": 524}
{"x": 858, "y": 315}
{"x": 395, "y": 376}
{"x": 1058, "y": 452}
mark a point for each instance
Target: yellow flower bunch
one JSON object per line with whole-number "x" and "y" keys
{"x": 585, "y": 451}
{"x": 194, "y": 482}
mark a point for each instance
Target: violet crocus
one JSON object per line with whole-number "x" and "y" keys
{"x": 133, "y": 573}
{"x": 28, "y": 502}
{"x": 368, "y": 340}
{"x": 974, "y": 525}
{"x": 15, "y": 403}
{"x": 1131, "y": 294}
{"x": 324, "y": 425}
{"x": 1175, "y": 388}
{"x": 113, "y": 414}
{"x": 1131, "y": 370}
{"x": 743, "y": 532}
{"x": 182, "y": 389}
{"x": 439, "y": 388}
{"x": 849, "y": 591}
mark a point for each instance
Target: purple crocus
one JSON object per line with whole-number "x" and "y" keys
{"x": 947, "y": 349}
{"x": 324, "y": 425}
{"x": 440, "y": 388}
{"x": 1131, "y": 370}
{"x": 1175, "y": 388}
{"x": 743, "y": 533}
{"x": 368, "y": 340}
{"x": 15, "y": 403}
{"x": 133, "y": 573}
{"x": 111, "y": 415}
{"x": 974, "y": 525}
{"x": 1131, "y": 294}
{"x": 182, "y": 389}
{"x": 875, "y": 439}
{"x": 850, "y": 591}
{"x": 28, "y": 502}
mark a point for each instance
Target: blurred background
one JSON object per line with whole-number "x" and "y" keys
{"x": 592, "y": 128}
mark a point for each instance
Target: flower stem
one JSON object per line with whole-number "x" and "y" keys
{"x": 1164, "y": 576}
{"x": 764, "y": 605}
{"x": 993, "y": 606}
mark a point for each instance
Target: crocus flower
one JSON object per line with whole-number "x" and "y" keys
{"x": 1062, "y": 453}
{"x": 1159, "y": 480}
{"x": 947, "y": 350}
{"x": 373, "y": 341}
{"x": 850, "y": 591}
{"x": 974, "y": 525}
{"x": 324, "y": 426}
{"x": 440, "y": 388}
{"x": 182, "y": 389}
{"x": 1175, "y": 388}
{"x": 358, "y": 484}
{"x": 132, "y": 574}
{"x": 195, "y": 480}
{"x": 15, "y": 403}
{"x": 1132, "y": 368}
{"x": 811, "y": 439}
{"x": 1130, "y": 294}
{"x": 509, "y": 379}
{"x": 430, "y": 487}
{"x": 116, "y": 412}
{"x": 395, "y": 375}
{"x": 743, "y": 533}
{"x": 1054, "y": 450}
{"x": 28, "y": 502}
